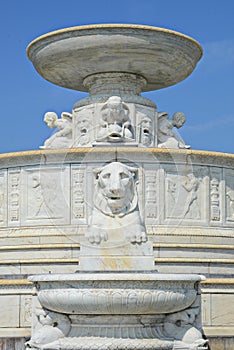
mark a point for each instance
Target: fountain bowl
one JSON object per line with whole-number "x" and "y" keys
{"x": 116, "y": 293}
{"x": 162, "y": 57}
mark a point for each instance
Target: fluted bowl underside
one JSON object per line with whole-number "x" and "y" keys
{"x": 66, "y": 57}
{"x": 118, "y": 294}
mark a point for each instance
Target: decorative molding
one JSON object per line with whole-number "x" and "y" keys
{"x": 78, "y": 190}
{"x": 151, "y": 195}
{"x": 229, "y": 195}
{"x": 3, "y": 197}
{"x": 214, "y": 199}
{"x": 14, "y": 187}
{"x": 194, "y": 261}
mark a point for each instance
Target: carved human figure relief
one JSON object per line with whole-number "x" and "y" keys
{"x": 230, "y": 204}
{"x": 172, "y": 190}
{"x": 191, "y": 206}
{"x": 183, "y": 196}
{"x": 46, "y": 194}
{"x": 146, "y": 137}
{"x": 173, "y": 195}
{"x": 116, "y": 213}
{"x": 167, "y": 136}
{"x": 2, "y": 199}
{"x": 51, "y": 327}
{"x": 63, "y": 137}
{"x": 115, "y": 124}
{"x": 36, "y": 201}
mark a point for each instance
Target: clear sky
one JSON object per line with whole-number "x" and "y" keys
{"x": 206, "y": 97}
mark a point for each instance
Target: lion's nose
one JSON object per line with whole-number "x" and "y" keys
{"x": 115, "y": 187}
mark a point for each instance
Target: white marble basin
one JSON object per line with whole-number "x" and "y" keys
{"x": 66, "y": 57}
{"x": 116, "y": 293}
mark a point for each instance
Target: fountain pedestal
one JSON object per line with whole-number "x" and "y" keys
{"x": 120, "y": 256}
{"x": 116, "y": 299}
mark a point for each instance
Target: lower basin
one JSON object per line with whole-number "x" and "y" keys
{"x": 116, "y": 293}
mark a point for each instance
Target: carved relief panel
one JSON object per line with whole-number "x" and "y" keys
{"x": 229, "y": 196}
{"x": 46, "y": 195}
{"x": 115, "y": 122}
{"x": 78, "y": 195}
{"x": 215, "y": 194}
{"x": 185, "y": 195}
{"x": 14, "y": 190}
{"x": 26, "y": 311}
{"x": 151, "y": 196}
{"x": 3, "y": 197}
{"x": 83, "y": 126}
{"x": 146, "y": 120}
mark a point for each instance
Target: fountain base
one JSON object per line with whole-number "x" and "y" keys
{"x": 117, "y": 310}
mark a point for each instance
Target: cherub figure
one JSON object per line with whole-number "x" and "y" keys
{"x": 115, "y": 122}
{"x": 167, "y": 137}
{"x": 63, "y": 137}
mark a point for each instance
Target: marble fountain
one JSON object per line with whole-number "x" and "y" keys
{"x": 115, "y": 218}
{"x": 117, "y": 146}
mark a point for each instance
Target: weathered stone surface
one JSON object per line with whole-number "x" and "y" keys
{"x": 163, "y": 57}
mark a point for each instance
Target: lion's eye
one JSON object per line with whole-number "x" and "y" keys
{"x": 123, "y": 175}
{"x": 106, "y": 176}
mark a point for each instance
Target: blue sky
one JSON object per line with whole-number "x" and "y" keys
{"x": 206, "y": 97}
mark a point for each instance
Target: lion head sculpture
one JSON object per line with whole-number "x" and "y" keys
{"x": 115, "y": 213}
{"x": 115, "y": 189}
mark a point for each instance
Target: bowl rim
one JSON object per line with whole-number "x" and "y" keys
{"x": 110, "y": 26}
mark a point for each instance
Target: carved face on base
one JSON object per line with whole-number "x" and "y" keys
{"x": 146, "y": 131}
{"x": 115, "y": 188}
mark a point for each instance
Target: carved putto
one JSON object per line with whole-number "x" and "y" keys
{"x": 115, "y": 125}
{"x": 63, "y": 137}
{"x": 116, "y": 204}
{"x": 167, "y": 137}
